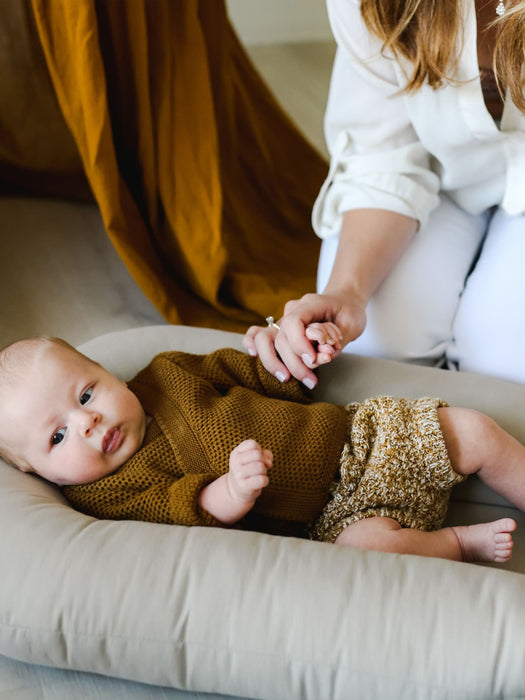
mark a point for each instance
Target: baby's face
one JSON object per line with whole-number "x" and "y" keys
{"x": 70, "y": 420}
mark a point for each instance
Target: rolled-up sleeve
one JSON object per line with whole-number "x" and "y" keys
{"x": 376, "y": 158}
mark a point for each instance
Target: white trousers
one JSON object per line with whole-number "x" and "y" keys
{"x": 434, "y": 306}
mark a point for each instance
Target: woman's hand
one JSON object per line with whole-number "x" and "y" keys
{"x": 370, "y": 244}
{"x": 300, "y": 344}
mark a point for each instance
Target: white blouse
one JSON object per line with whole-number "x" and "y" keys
{"x": 398, "y": 151}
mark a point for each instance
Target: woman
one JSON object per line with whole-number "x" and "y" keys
{"x": 422, "y": 213}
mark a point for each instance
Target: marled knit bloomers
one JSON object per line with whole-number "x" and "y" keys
{"x": 394, "y": 464}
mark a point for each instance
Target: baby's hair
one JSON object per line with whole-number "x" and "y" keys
{"x": 14, "y": 359}
{"x": 28, "y": 346}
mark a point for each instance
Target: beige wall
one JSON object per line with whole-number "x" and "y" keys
{"x": 271, "y": 21}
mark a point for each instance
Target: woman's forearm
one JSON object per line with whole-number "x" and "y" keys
{"x": 371, "y": 243}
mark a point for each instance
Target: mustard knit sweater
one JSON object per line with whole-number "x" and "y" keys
{"x": 202, "y": 407}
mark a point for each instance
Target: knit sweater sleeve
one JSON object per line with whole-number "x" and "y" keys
{"x": 228, "y": 368}
{"x": 120, "y": 498}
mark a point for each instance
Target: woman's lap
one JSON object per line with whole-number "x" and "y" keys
{"x": 425, "y": 311}
{"x": 411, "y": 315}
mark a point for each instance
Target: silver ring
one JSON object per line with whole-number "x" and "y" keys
{"x": 271, "y": 323}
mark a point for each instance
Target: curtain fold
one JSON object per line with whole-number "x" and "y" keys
{"x": 204, "y": 185}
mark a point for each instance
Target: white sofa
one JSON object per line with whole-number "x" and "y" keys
{"x": 138, "y": 610}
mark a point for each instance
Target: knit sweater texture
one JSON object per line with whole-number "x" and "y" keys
{"x": 202, "y": 407}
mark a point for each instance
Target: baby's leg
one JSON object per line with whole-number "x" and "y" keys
{"x": 482, "y": 542}
{"x": 477, "y": 445}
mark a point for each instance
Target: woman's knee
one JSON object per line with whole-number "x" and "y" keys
{"x": 489, "y": 328}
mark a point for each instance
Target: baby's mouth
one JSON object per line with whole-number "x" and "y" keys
{"x": 111, "y": 441}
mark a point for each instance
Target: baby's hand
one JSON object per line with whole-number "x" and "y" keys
{"x": 248, "y": 466}
{"x": 328, "y": 338}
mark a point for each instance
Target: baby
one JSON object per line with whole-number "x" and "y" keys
{"x": 217, "y": 440}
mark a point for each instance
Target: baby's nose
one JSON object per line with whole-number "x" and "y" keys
{"x": 89, "y": 422}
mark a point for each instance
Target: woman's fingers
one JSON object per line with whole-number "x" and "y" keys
{"x": 312, "y": 331}
{"x": 260, "y": 341}
{"x": 275, "y": 349}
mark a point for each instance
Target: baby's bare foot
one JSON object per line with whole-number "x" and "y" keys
{"x": 486, "y": 541}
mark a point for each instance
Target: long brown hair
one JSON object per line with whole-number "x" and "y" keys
{"x": 428, "y": 34}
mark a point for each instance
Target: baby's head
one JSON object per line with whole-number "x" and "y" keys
{"x": 62, "y": 415}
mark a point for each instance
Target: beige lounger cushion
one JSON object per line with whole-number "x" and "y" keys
{"x": 259, "y": 616}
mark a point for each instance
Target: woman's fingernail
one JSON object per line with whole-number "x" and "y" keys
{"x": 309, "y": 383}
{"x": 307, "y": 360}
{"x": 280, "y": 376}
{"x": 252, "y": 352}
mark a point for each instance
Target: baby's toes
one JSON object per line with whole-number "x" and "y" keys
{"x": 503, "y": 545}
{"x": 504, "y": 525}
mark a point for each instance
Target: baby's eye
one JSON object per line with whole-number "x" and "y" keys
{"x": 58, "y": 436}
{"x": 86, "y": 395}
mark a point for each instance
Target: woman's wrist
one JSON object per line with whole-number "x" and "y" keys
{"x": 345, "y": 291}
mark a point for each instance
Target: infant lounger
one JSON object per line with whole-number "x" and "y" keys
{"x": 247, "y": 614}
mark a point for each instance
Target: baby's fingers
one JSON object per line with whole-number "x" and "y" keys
{"x": 324, "y": 333}
{"x": 255, "y": 484}
{"x": 324, "y": 356}
{"x": 267, "y": 456}
{"x": 248, "y": 458}
{"x": 250, "y": 480}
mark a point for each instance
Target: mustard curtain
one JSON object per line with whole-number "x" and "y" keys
{"x": 204, "y": 185}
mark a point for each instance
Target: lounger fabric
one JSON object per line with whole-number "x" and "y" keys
{"x": 254, "y": 615}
